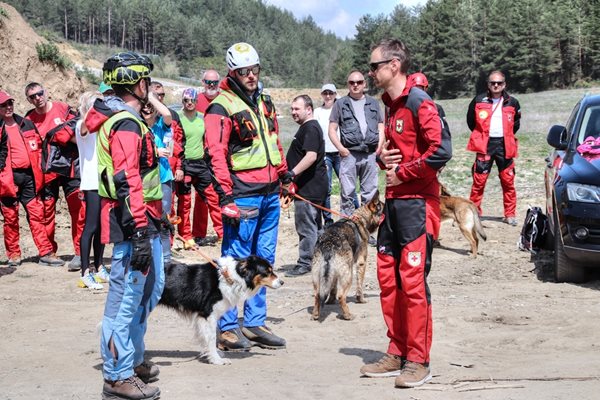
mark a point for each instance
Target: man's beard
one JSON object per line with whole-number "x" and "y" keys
{"x": 211, "y": 92}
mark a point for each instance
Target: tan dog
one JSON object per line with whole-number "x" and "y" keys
{"x": 340, "y": 249}
{"x": 464, "y": 213}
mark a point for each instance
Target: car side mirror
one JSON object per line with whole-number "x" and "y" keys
{"x": 557, "y": 137}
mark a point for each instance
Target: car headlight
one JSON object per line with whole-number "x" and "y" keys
{"x": 583, "y": 193}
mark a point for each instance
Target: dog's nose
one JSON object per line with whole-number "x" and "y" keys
{"x": 281, "y": 282}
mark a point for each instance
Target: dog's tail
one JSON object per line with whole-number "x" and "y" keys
{"x": 478, "y": 225}
{"x": 326, "y": 278}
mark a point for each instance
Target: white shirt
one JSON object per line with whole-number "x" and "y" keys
{"x": 496, "y": 121}
{"x": 88, "y": 160}
{"x": 322, "y": 116}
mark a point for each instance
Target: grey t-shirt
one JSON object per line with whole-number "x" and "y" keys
{"x": 359, "y": 110}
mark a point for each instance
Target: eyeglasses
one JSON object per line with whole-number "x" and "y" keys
{"x": 189, "y": 100}
{"x": 352, "y": 83}
{"x": 496, "y": 83}
{"x": 246, "y": 71}
{"x": 375, "y": 65}
{"x": 159, "y": 94}
{"x": 212, "y": 83}
{"x": 7, "y": 103}
{"x": 328, "y": 93}
{"x": 36, "y": 94}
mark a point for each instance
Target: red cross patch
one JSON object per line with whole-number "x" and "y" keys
{"x": 414, "y": 258}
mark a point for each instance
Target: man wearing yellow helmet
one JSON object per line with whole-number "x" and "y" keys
{"x": 129, "y": 184}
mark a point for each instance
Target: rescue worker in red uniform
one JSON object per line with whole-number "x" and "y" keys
{"x": 412, "y": 155}
{"x": 494, "y": 117}
{"x": 50, "y": 116}
{"x": 21, "y": 180}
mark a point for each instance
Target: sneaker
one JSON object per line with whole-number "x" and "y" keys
{"x": 14, "y": 261}
{"x": 74, "y": 264}
{"x": 131, "y": 388}
{"x": 233, "y": 340}
{"x": 298, "y": 270}
{"x": 388, "y": 365}
{"x": 103, "y": 275}
{"x": 413, "y": 374}
{"x": 51, "y": 260}
{"x": 147, "y": 371}
{"x": 372, "y": 241}
{"x": 264, "y": 337}
{"x": 512, "y": 221}
{"x": 88, "y": 281}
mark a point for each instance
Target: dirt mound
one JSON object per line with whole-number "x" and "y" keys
{"x": 20, "y": 63}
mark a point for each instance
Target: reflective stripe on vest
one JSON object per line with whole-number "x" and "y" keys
{"x": 106, "y": 185}
{"x": 263, "y": 148}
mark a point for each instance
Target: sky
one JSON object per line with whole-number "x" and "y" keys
{"x": 340, "y": 16}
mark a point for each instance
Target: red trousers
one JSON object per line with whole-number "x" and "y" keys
{"x": 202, "y": 206}
{"x": 405, "y": 244}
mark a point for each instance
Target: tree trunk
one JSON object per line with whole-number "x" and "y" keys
{"x": 66, "y": 26}
{"x": 108, "y": 40}
{"x": 123, "y": 36}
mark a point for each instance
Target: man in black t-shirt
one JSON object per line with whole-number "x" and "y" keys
{"x": 305, "y": 160}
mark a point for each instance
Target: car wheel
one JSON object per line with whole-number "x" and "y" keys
{"x": 566, "y": 270}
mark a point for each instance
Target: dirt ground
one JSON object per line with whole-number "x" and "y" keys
{"x": 502, "y": 330}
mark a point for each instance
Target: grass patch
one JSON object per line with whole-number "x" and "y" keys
{"x": 3, "y": 13}
{"x": 49, "y": 53}
{"x": 88, "y": 75}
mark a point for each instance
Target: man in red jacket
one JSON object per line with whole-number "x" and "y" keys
{"x": 412, "y": 155}
{"x": 21, "y": 180}
{"x": 48, "y": 116}
{"x": 494, "y": 118}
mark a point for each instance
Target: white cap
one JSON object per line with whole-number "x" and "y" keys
{"x": 330, "y": 87}
{"x": 241, "y": 55}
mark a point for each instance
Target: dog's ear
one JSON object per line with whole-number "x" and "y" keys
{"x": 374, "y": 202}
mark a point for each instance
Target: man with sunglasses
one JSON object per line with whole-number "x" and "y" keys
{"x": 210, "y": 83}
{"x": 494, "y": 118}
{"x": 21, "y": 180}
{"x": 360, "y": 122}
{"x": 242, "y": 142}
{"x": 51, "y": 118}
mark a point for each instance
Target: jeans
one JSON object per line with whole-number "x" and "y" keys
{"x": 307, "y": 225}
{"x": 131, "y": 297}
{"x": 332, "y": 162}
{"x": 364, "y": 167}
{"x": 165, "y": 235}
{"x": 256, "y": 235}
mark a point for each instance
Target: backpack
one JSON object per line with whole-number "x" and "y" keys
{"x": 534, "y": 231}
{"x": 63, "y": 160}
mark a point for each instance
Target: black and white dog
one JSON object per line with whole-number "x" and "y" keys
{"x": 201, "y": 294}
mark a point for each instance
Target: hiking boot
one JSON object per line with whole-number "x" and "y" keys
{"x": 233, "y": 340}
{"x": 88, "y": 281}
{"x": 131, "y": 388}
{"x": 206, "y": 241}
{"x": 103, "y": 275}
{"x": 74, "y": 264}
{"x": 51, "y": 260}
{"x": 413, "y": 374}
{"x": 388, "y": 365}
{"x": 147, "y": 371}
{"x": 512, "y": 221}
{"x": 298, "y": 270}
{"x": 264, "y": 337}
{"x": 14, "y": 261}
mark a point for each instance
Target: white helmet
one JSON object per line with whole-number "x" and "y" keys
{"x": 241, "y": 55}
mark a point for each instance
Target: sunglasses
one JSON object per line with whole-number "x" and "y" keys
{"x": 159, "y": 94}
{"x": 37, "y": 94}
{"x": 496, "y": 83}
{"x": 352, "y": 83}
{"x": 7, "y": 103}
{"x": 211, "y": 83}
{"x": 327, "y": 93}
{"x": 189, "y": 100}
{"x": 246, "y": 71}
{"x": 375, "y": 65}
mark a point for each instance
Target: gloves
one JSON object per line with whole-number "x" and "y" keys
{"x": 230, "y": 213}
{"x": 288, "y": 177}
{"x": 141, "y": 253}
{"x": 167, "y": 225}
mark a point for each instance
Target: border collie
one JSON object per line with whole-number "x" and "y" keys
{"x": 201, "y": 294}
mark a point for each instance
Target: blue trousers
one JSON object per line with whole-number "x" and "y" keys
{"x": 131, "y": 297}
{"x": 165, "y": 235}
{"x": 255, "y": 235}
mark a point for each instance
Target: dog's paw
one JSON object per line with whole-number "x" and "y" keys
{"x": 315, "y": 317}
{"x": 347, "y": 317}
{"x": 219, "y": 361}
{"x": 361, "y": 299}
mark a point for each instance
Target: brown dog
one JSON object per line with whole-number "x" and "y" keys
{"x": 342, "y": 247}
{"x": 464, "y": 213}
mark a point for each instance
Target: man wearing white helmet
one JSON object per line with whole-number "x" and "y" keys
{"x": 242, "y": 143}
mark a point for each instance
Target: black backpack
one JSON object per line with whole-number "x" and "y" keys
{"x": 534, "y": 231}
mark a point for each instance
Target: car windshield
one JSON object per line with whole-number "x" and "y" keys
{"x": 590, "y": 126}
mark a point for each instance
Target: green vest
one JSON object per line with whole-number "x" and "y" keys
{"x": 194, "y": 135}
{"x": 106, "y": 185}
{"x": 253, "y": 140}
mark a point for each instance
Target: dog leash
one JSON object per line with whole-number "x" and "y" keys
{"x": 321, "y": 207}
{"x": 212, "y": 262}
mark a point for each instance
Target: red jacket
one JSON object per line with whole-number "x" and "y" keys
{"x": 33, "y": 144}
{"x": 479, "y": 115}
{"x": 416, "y": 130}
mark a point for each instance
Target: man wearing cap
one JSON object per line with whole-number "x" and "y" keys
{"x": 21, "y": 180}
{"x": 129, "y": 184}
{"x": 242, "y": 141}
{"x": 360, "y": 122}
{"x": 196, "y": 171}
